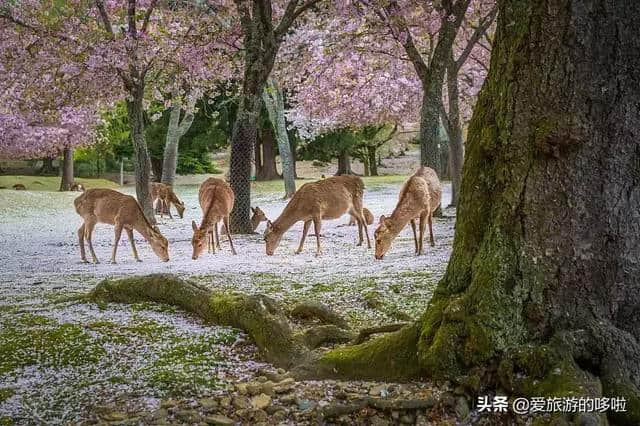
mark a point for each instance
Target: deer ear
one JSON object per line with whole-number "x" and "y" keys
{"x": 253, "y": 209}
{"x": 194, "y": 226}
{"x": 382, "y": 219}
{"x": 155, "y": 228}
{"x": 269, "y": 224}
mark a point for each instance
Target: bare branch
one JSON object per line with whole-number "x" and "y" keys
{"x": 104, "y": 17}
{"x": 480, "y": 30}
{"x": 147, "y": 15}
{"x": 131, "y": 17}
{"x": 291, "y": 13}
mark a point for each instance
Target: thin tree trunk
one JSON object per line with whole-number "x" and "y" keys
{"x": 542, "y": 292}
{"x": 175, "y": 131}
{"x": 344, "y": 163}
{"x": 274, "y": 102}
{"x": 156, "y": 167}
{"x": 373, "y": 160}
{"x": 456, "y": 147}
{"x": 47, "y": 167}
{"x": 365, "y": 163}
{"x": 142, "y": 162}
{"x": 294, "y": 155}
{"x": 66, "y": 182}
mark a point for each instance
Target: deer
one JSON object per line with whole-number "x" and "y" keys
{"x": 368, "y": 217}
{"x": 164, "y": 193}
{"x": 216, "y": 201}
{"x": 419, "y": 198}
{"x": 77, "y": 187}
{"x": 100, "y": 205}
{"x": 257, "y": 216}
{"x": 328, "y": 198}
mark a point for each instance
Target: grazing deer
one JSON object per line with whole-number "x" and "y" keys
{"x": 122, "y": 211}
{"x": 328, "y": 198}
{"x": 368, "y": 217}
{"x": 216, "y": 201}
{"x": 419, "y": 198}
{"x": 164, "y": 193}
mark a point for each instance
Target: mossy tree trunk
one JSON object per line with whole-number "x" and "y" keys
{"x": 542, "y": 292}
{"x": 66, "y": 181}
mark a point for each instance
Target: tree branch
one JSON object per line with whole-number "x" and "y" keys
{"x": 131, "y": 17}
{"x": 147, "y": 15}
{"x": 104, "y": 17}
{"x": 290, "y": 15}
{"x": 480, "y": 30}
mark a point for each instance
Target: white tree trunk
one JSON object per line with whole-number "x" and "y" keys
{"x": 177, "y": 129}
{"x": 273, "y": 100}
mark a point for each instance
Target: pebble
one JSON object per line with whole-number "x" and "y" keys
{"x": 261, "y": 401}
{"x": 208, "y": 403}
{"x": 219, "y": 420}
{"x": 241, "y": 402}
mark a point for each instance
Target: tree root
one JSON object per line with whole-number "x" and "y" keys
{"x": 365, "y": 333}
{"x": 319, "y": 311}
{"x": 323, "y": 334}
{"x": 336, "y": 410}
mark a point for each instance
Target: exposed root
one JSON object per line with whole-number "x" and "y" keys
{"x": 323, "y": 334}
{"x": 365, "y": 333}
{"x": 319, "y": 311}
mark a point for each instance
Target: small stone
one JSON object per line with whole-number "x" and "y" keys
{"x": 306, "y": 405}
{"x": 279, "y": 415}
{"x": 241, "y": 402}
{"x": 281, "y": 371}
{"x": 225, "y": 402}
{"x": 284, "y": 386}
{"x": 261, "y": 379}
{"x": 407, "y": 419}
{"x": 168, "y": 403}
{"x": 244, "y": 413}
{"x": 379, "y": 421}
{"x": 259, "y": 416}
{"x": 209, "y": 403}
{"x": 380, "y": 390}
{"x": 241, "y": 388}
{"x": 160, "y": 413}
{"x": 188, "y": 416}
{"x": 267, "y": 387}
{"x": 219, "y": 420}
{"x": 115, "y": 416}
{"x": 254, "y": 388}
{"x": 261, "y": 401}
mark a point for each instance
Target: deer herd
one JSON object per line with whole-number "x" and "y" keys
{"x": 326, "y": 199}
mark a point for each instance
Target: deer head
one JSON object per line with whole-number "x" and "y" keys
{"x": 383, "y": 236}
{"x": 258, "y": 215}
{"x": 198, "y": 241}
{"x": 271, "y": 238}
{"x": 180, "y": 207}
{"x": 159, "y": 244}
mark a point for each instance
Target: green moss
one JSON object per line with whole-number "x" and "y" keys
{"x": 618, "y": 388}
{"x": 6, "y": 393}
{"x": 35, "y": 340}
{"x": 6, "y": 421}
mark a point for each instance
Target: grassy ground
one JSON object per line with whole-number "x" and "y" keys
{"x": 50, "y": 183}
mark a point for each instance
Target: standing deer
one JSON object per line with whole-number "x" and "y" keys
{"x": 419, "y": 198}
{"x": 256, "y": 217}
{"x": 216, "y": 201}
{"x": 164, "y": 193}
{"x": 122, "y": 211}
{"x": 328, "y": 198}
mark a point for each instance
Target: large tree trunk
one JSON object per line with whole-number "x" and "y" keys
{"x": 542, "y": 292}
{"x": 66, "y": 182}
{"x": 142, "y": 162}
{"x": 373, "y": 161}
{"x": 344, "y": 163}
{"x": 274, "y": 102}
{"x": 245, "y": 130}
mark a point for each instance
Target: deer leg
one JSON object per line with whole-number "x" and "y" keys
{"x": 168, "y": 206}
{"x": 431, "y": 230}
{"x": 415, "y": 235}
{"x": 88, "y": 231}
{"x": 423, "y": 223}
{"x": 211, "y": 242}
{"x": 215, "y": 227}
{"x": 83, "y": 255}
{"x": 133, "y": 244}
{"x": 305, "y": 229}
{"x": 118, "y": 232}
{"x": 359, "y": 215}
{"x": 317, "y": 224}
{"x": 226, "y": 225}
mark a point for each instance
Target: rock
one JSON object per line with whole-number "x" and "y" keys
{"x": 306, "y": 405}
{"x": 160, "y": 413}
{"x": 259, "y": 416}
{"x": 379, "y": 421}
{"x": 462, "y": 407}
{"x": 115, "y": 416}
{"x": 243, "y": 413}
{"x": 261, "y": 401}
{"x": 267, "y": 388}
{"x": 380, "y": 390}
{"x": 261, "y": 379}
{"x": 288, "y": 399}
{"x": 284, "y": 385}
{"x": 209, "y": 403}
{"x": 188, "y": 416}
{"x": 168, "y": 403}
{"x": 241, "y": 402}
{"x": 225, "y": 402}
{"x": 448, "y": 400}
{"x": 241, "y": 388}
{"x": 254, "y": 388}
{"x": 373, "y": 300}
{"x": 407, "y": 419}
{"x": 219, "y": 420}
{"x": 279, "y": 415}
